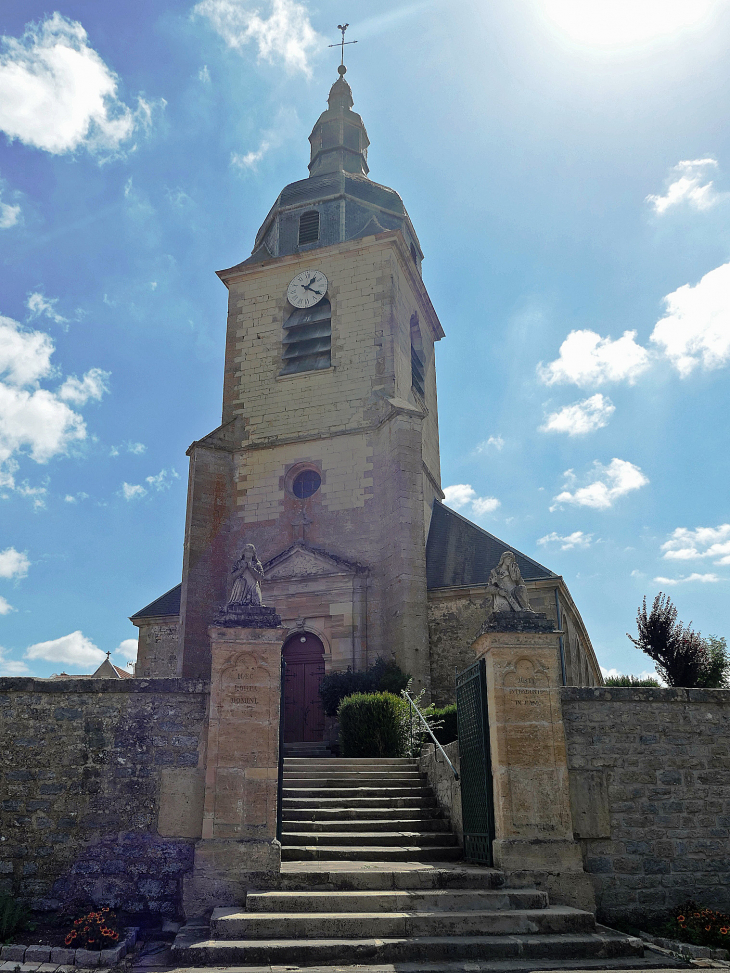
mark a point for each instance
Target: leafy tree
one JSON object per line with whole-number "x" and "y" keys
{"x": 716, "y": 672}
{"x": 634, "y": 681}
{"x": 680, "y": 655}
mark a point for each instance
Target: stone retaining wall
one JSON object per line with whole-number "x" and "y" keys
{"x": 650, "y": 795}
{"x": 85, "y": 769}
{"x": 446, "y": 788}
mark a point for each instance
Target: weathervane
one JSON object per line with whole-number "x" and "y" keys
{"x": 342, "y": 43}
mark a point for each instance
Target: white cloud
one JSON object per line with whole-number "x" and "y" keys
{"x": 39, "y": 304}
{"x": 204, "y": 74}
{"x": 92, "y": 386}
{"x": 25, "y": 356}
{"x": 57, "y": 94}
{"x": 37, "y": 420}
{"x": 285, "y": 36}
{"x": 567, "y": 541}
{"x": 588, "y": 359}
{"x": 136, "y": 448}
{"x": 581, "y": 417}
{"x": 704, "y": 578}
{"x": 13, "y": 564}
{"x": 11, "y": 667}
{"x": 70, "y": 498}
{"x": 463, "y": 495}
{"x": 133, "y": 491}
{"x": 127, "y": 650}
{"x": 286, "y": 123}
{"x": 688, "y": 186}
{"x": 163, "y": 480}
{"x": 607, "y": 484}
{"x": 74, "y": 649}
{"x": 710, "y": 542}
{"x": 5, "y": 606}
{"x": 696, "y": 328}
{"x": 9, "y": 215}
{"x": 33, "y": 419}
{"x": 494, "y": 442}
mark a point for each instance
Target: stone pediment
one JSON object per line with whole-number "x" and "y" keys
{"x": 301, "y": 561}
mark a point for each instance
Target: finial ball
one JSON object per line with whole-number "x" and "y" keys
{"x": 342, "y": 70}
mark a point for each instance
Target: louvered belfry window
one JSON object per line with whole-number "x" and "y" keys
{"x": 418, "y": 377}
{"x": 418, "y": 371}
{"x": 307, "y": 343}
{"x": 309, "y": 227}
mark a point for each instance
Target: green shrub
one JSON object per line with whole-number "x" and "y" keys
{"x": 373, "y": 725}
{"x": 14, "y": 917}
{"x": 632, "y": 681}
{"x": 384, "y": 676}
{"x": 447, "y": 732}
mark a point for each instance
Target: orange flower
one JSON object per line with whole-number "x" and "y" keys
{"x": 724, "y": 930}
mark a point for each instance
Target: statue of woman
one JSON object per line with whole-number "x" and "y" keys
{"x": 247, "y": 575}
{"x": 507, "y": 587}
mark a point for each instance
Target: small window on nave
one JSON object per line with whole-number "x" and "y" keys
{"x": 307, "y": 342}
{"x": 309, "y": 227}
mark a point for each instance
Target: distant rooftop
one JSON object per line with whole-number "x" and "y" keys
{"x": 460, "y": 553}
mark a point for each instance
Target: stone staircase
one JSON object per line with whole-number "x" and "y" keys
{"x": 371, "y": 874}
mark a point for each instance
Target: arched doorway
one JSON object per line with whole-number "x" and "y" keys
{"x": 303, "y": 713}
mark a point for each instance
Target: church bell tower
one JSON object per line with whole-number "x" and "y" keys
{"x": 327, "y": 458}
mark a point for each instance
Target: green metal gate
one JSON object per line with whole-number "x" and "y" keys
{"x": 477, "y": 805}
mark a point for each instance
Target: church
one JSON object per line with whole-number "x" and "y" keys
{"x": 327, "y": 456}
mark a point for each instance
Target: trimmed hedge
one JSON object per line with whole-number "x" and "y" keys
{"x": 384, "y": 676}
{"x": 373, "y": 725}
{"x": 448, "y": 732}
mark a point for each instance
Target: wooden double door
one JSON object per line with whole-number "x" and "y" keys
{"x": 303, "y": 714}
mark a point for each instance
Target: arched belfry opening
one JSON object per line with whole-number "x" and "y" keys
{"x": 303, "y": 654}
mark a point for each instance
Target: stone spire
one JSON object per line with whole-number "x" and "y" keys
{"x": 339, "y": 140}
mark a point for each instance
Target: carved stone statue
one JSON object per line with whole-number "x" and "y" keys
{"x": 245, "y": 607}
{"x": 507, "y": 587}
{"x": 247, "y": 575}
{"x": 511, "y": 611}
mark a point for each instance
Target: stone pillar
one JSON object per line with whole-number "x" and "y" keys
{"x": 533, "y": 824}
{"x": 239, "y": 849}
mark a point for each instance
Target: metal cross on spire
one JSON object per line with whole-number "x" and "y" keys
{"x": 341, "y": 44}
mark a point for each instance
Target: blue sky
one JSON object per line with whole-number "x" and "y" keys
{"x": 567, "y": 168}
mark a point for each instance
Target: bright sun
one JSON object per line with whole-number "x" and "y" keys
{"x": 620, "y": 23}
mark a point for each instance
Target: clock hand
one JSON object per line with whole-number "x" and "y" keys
{"x": 306, "y": 287}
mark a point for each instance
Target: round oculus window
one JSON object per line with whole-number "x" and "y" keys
{"x": 306, "y": 484}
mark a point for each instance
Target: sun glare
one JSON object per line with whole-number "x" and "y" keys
{"x": 623, "y": 23}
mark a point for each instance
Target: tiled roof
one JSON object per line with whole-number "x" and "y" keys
{"x": 167, "y": 604}
{"x": 460, "y": 553}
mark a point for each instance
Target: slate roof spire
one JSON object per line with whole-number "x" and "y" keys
{"x": 339, "y": 141}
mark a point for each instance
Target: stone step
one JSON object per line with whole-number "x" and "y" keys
{"x": 365, "y": 823}
{"x": 233, "y": 924}
{"x": 324, "y": 815}
{"x": 334, "y": 762}
{"x": 381, "y": 790}
{"x": 364, "y": 837}
{"x": 314, "y": 804}
{"x": 388, "y": 876}
{"x": 372, "y": 853}
{"x": 457, "y": 900}
{"x": 354, "y": 780}
{"x": 190, "y": 951}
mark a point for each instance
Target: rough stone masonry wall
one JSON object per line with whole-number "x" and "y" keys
{"x": 81, "y": 772}
{"x": 650, "y": 795}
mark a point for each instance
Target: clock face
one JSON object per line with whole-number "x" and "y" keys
{"x": 307, "y": 288}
